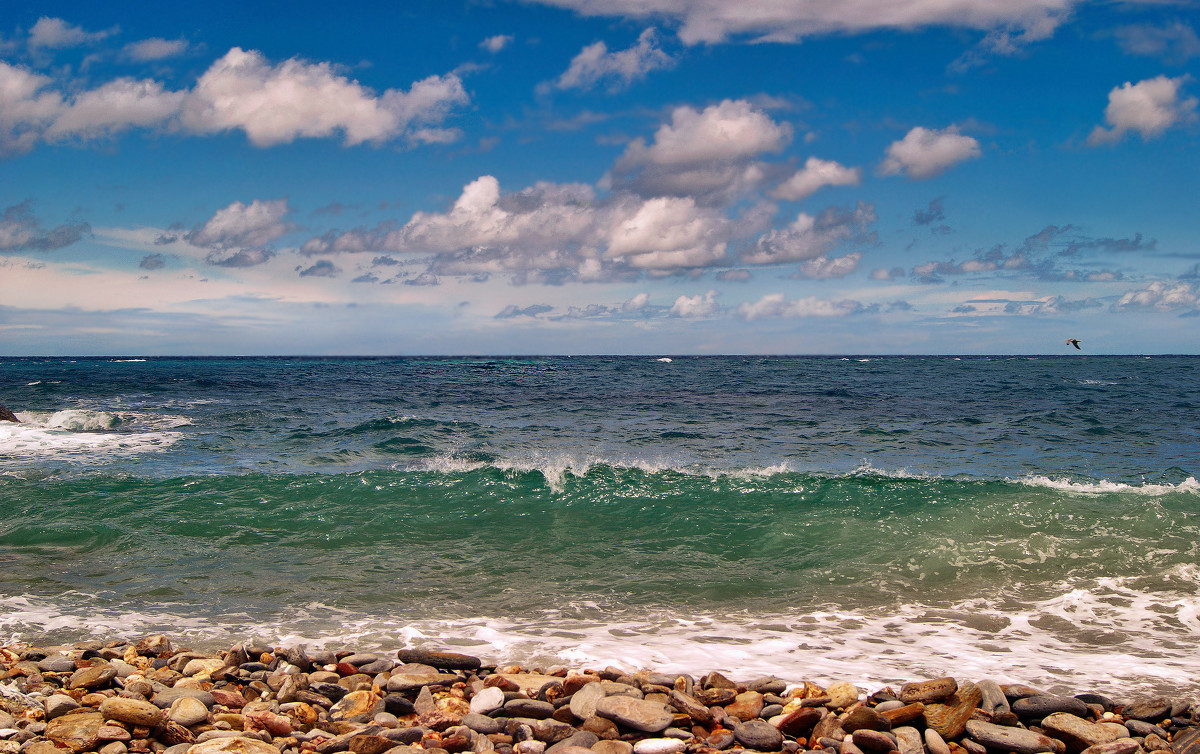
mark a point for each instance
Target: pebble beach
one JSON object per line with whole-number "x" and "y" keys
{"x": 151, "y": 696}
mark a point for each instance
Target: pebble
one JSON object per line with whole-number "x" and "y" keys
{"x": 151, "y": 698}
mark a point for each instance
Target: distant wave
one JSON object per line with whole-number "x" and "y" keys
{"x": 74, "y": 431}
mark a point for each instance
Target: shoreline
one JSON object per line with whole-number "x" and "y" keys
{"x": 152, "y": 696}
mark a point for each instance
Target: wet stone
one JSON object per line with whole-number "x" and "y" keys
{"x": 1138, "y": 728}
{"x": 934, "y": 690}
{"x": 1077, "y": 733}
{"x": 948, "y": 719}
{"x": 873, "y": 741}
{"x": 1004, "y": 738}
{"x": 233, "y": 745}
{"x": 57, "y": 705}
{"x": 92, "y": 677}
{"x": 746, "y": 706}
{"x": 482, "y": 723}
{"x": 132, "y": 711}
{"x": 1120, "y": 746}
{"x": 487, "y": 701}
{"x": 1037, "y": 707}
{"x": 447, "y": 660}
{"x": 800, "y": 722}
{"x": 758, "y": 735}
{"x": 529, "y": 708}
{"x": 864, "y": 718}
{"x": 56, "y": 663}
{"x": 1149, "y": 710}
{"x": 1187, "y": 742}
{"x": 639, "y": 714}
{"x": 612, "y": 747}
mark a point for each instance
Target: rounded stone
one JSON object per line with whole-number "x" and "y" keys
{"x": 92, "y": 677}
{"x": 638, "y": 714}
{"x": 659, "y": 746}
{"x": 487, "y": 701}
{"x": 233, "y": 745}
{"x": 131, "y": 711}
{"x": 842, "y": 694}
{"x": 78, "y": 732}
{"x": 758, "y": 735}
{"x": 188, "y": 711}
{"x": 583, "y": 702}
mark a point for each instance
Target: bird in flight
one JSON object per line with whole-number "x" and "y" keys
{"x": 1073, "y": 342}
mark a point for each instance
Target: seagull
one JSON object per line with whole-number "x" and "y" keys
{"x": 1073, "y": 342}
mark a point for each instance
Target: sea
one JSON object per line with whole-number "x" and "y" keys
{"x": 860, "y": 518}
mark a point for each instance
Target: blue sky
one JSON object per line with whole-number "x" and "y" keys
{"x": 600, "y": 176}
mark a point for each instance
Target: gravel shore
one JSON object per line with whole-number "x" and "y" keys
{"x": 149, "y": 696}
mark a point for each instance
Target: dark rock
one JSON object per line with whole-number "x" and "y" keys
{"x": 529, "y": 708}
{"x": 688, "y": 705}
{"x": 92, "y": 677}
{"x": 1037, "y": 707}
{"x": 758, "y": 735}
{"x": 165, "y": 698}
{"x": 1150, "y": 710}
{"x": 56, "y": 664}
{"x": 1120, "y": 746}
{"x": 6, "y": 415}
{"x": 905, "y": 713}
{"x": 1136, "y": 727}
{"x": 1187, "y": 742}
{"x": 1108, "y": 704}
{"x": 583, "y": 739}
{"x": 767, "y": 685}
{"x": 445, "y": 660}
{"x": 720, "y": 739}
{"x": 800, "y": 722}
{"x": 928, "y": 691}
{"x": 771, "y": 710}
{"x": 873, "y": 740}
{"x": 331, "y": 691}
{"x": 482, "y": 723}
{"x": 864, "y": 718}
{"x": 1015, "y": 691}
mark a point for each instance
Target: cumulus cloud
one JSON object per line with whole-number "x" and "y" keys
{"x": 55, "y": 33}
{"x": 637, "y": 303}
{"x": 774, "y": 305}
{"x": 272, "y": 103}
{"x": 708, "y": 154}
{"x": 926, "y": 153}
{"x": 276, "y": 104}
{"x": 238, "y": 225}
{"x": 1162, "y": 296}
{"x": 114, "y": 107}
{"x": 595, "y": 65}
{"x": 1148, "y": 108}
{"x": 709, "y": 21}
{"x": 21, "y": 231}
{"x": 695, "y": 307}
{"x": 669, "y": 232}
{"x": 809, "y": 237}
{"x": 155, "y": 48}
{"x": 815, "y": 175}
{"x": 496, "y": 43}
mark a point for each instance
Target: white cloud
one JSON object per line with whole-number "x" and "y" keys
{"x": 693, "y": 307}
{"x": 815, "y": 175}
{"x": 497, "y": 43}
{"x": 1148, "y": 107}
{"x": 1176, "y": 42}
{"x": 925, "y": 153}
{"x": 55, "y": 33}
{"x": 637, "y": 303}
{"x": 809, "y": 237}
{"x": 275, "y": 104}
{"x": 595, "y": 65}
{"x": 114, "y": 107}
{"x": 668, "y": 233}
{"x": 241, "y": 225}
{"x": 155, "y": 48}
{"x": 705, "y": 153}
{"x": 788, "y": 20}
{"x": 777, "y": 305}
{"x": 1161, "y": 296}
{"x": 25, "y": 108}
{"x": 824, "y": 268}
{"x": 731, "y": 130}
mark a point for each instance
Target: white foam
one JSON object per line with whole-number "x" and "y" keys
{"x": 1189, "y": 485}
{"x": 72, "y": 432}
{"x": 1121, "y": 636}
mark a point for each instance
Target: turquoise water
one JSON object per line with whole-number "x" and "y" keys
{"x": 868, "y": 519}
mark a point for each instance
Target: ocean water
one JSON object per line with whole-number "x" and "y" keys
{"x": 867, "y": 519}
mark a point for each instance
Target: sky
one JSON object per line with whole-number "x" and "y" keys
{"x": 600, "y": 176}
